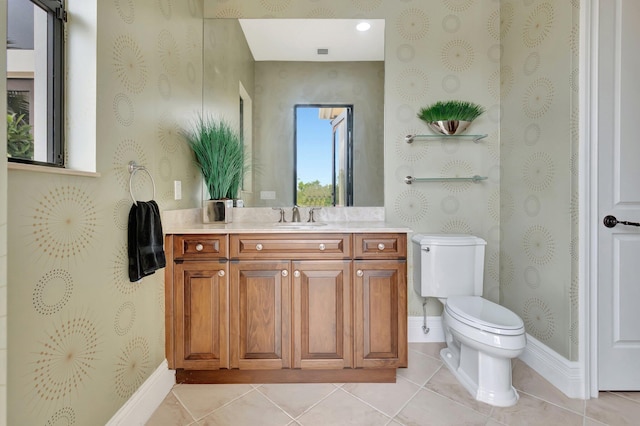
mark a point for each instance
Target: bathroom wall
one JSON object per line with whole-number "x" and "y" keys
{"x": 82, "y": 338}
{"x": 539, "y": 153}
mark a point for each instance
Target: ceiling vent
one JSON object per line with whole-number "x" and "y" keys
{"x": 323, "y": 51}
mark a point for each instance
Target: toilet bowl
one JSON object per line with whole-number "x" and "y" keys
{"x": 482, "y": 337}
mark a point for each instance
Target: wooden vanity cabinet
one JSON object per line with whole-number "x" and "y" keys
{"x": 287, "y": 308}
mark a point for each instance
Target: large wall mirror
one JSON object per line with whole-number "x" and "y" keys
{"x": 256, "y": 71}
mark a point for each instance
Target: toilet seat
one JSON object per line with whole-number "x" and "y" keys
{"x": 484, "y": 315}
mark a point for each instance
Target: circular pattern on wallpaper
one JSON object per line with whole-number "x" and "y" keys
{"x": 168, "y": 52}
{"x": 538, "y": 98}
{"x": 165, "y": 8}
{"x": 451, "y": 83}
{"x": 366, "y": 5}
{"x": 120, "y": 272}
{"x": 494, "y": 24}
{"x": 412, "y": 84}
{"x": 121, "y": 213}
{"x": 164, "y": 87}
{"x": 574, "y": 292}
{"x": 450, "y": 204}
{"x": 506, "y": 17}
{"x": 275, "y": 5}
{"x": 574, "y": 40}
{"x": 321, "y": 13}
{"x": 458, "y": 5}
{"x": 539, "y": 245}
{"x": 507, "y": 269}
{"x": 451, "y": 23}
{"x": 501, "y": 206}
{"x": 538, "y": 319}
{"x": 531, "y": 63}
{"x": 411, "y": 205}
{"x": 65, "y": 416}
{"x": 129, "y": 64}
{"x": 532, "y": 205}
{"x": 531, "y": 277}
{"x": 52, "y": 292}
{"x": 501, "y": 82}
{"x": 123, "y": 109}
{"x": 66, "y": 356}
{"x": 456, "y": 226}
{"x": 532, "y": 134}
{"x": 456, "y": 168}
{"x": 125, "y": 318}
{"x": 64, "y": 222}
{"x": 495, "y": 52}
{"x": 405, "y": 53}
{"x": 126, "y": 151}
{"x": 457, "y": 55}
{"x": 411, "y": 152}
{"x": 538, "y": 25}
{"x": 132, "y": 366}
{"x": 168, "y": 133}
{"x": 574, "y": 208}
{"x": 412, "y": 24}
{"x": 538, "y": 171}
{"x": 126, "y": 10}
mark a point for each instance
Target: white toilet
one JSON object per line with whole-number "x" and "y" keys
{"x": 482, "y": 337}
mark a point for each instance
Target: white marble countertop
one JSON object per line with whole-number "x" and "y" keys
{"x": 266, "y": 221}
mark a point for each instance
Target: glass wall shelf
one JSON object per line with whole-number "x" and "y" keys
{"x": 475, "y": 179}
{"x": 474, "y": 138}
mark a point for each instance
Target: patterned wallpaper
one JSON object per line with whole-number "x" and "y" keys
{"x": 82, "y": 338}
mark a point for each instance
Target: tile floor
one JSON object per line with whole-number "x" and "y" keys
{"x": 425, "y": 394}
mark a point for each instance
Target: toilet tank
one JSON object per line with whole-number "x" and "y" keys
{"x": 448, "y": 265}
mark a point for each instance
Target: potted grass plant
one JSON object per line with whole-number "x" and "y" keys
{"x": 220, "y": 156}
{"x": 450, "y": 117}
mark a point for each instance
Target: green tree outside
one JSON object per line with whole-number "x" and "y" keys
{"x": 313, "y": 194}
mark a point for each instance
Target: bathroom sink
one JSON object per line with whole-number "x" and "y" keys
{"x": 299, "y": 225}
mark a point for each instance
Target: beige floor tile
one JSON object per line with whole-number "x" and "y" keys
{"x": 431, "y": 349}
{"x": 341, "y": 409}
{"x": 533, "y": 411}
{"x": 386, "y": 397}
{"x": 444, "y": 383}
{"x": 201, "y": 400}
{"x": 591, "y": 422}
{"x": 613, "y": 409}
{"x": 170, "y": 413}
{"x": 525, "y": 379}
{"x": 252, "y": 409}
{"x": 634, "y": 396}
{"x": 429, "y": 408}
{"x": 295, "y": 399}
{"x": 421, "y": 368}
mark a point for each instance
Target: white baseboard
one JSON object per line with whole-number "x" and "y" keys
{"x": 139, "y": 408}
{"x": 567, "y": 376}
{"x": 415, "y": 333}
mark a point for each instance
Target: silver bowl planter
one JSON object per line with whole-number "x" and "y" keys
{"x": 448, "y": 127}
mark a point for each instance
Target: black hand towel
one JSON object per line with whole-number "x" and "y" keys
{"x": 145, "y": 249}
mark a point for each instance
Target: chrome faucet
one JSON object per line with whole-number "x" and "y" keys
{"x": 295, "y": 216}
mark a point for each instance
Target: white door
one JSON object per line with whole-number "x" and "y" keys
{"x": 618, "y": 109}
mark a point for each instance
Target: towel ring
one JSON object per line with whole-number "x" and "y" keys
{"x": 133, "y": 168}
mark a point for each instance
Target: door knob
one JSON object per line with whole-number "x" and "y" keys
{"x": 611, "y": 221}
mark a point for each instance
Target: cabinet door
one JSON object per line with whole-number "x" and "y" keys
{"x": 260, "y": 315}
{"x": 201, "y": 309}
{"x": 322, "y": 314}
{"x": 380, "y": 313}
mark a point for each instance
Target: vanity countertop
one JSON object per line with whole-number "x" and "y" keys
{"x": 283, "y": 228}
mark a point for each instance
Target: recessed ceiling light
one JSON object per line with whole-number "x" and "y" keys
{"x": 363, "y": 26}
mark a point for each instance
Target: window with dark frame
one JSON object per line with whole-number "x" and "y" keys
{"x": 35, "y": 81}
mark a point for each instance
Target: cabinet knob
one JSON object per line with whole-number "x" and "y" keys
{"x": 296, "y": 273}
{"x": 199, "y": 247}
{"x": 322, "y": 247}
{"x": 221, "y": 273}
{"x": 380, "y": 246}
{"x": 258, "y": 246}
{"x": 285, "y": 273}
{"x": 359, "y": 272}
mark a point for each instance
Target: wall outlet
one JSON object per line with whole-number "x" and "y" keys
{"x": 177, "y": 190}
{"x": 267, "y": 195}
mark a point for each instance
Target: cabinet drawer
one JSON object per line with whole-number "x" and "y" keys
{"x": 299, "y": 246}
{"x": 200, "y": 246}
{"x": 380, "y": 246}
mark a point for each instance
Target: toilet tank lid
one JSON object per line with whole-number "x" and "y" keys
{"x": 448, "y": 239}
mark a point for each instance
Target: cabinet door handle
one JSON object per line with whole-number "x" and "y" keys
{"x": 322, "y": 247}
{"x": 199, "y": 247}
{"x": 285, "y": 273}
{"x": 359, "y": 272}
{"x": 258, "y": 246}
{"x": 380, "y": 246}
{"x": 221, "y": 273}
{"x": 296, "y": 273}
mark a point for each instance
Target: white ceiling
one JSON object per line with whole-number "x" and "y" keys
{"x": 299, "y": 39}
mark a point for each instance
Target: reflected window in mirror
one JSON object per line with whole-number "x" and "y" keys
{"x": 323, "y": 141}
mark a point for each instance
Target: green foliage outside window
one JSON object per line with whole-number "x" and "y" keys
{"x": 19, "y": 131}
{"x": 313, "y": 194}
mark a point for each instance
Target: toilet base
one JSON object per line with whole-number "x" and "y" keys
{"x": 494, "y": 375}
